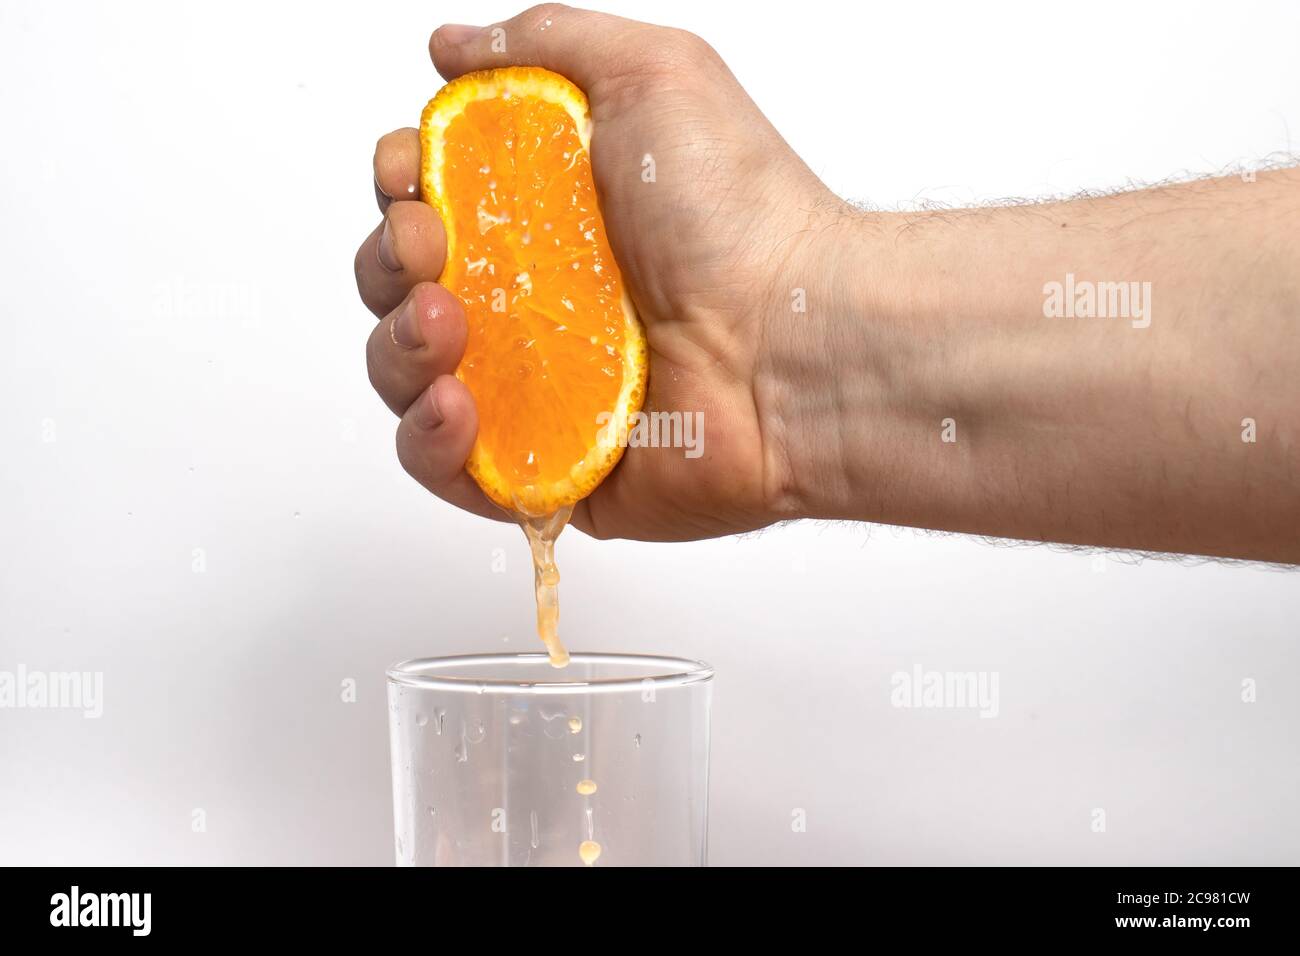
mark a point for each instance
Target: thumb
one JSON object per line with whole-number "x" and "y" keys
{"x": 582, "y": 45}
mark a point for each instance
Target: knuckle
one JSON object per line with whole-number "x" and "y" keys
{"x": 360, "y": 272}
{"x": 356, "y": 266}
{"x": 373, "y": 360}
{"x": 693, "y": 45}
{"x": 667, "y": 52}
{"x": 538, "y": 14}
{"x": 540, "y": 11}
{"x": 387, "y": 153}
{"x": 406, "y": 456}
{"x": 413, "y": 457}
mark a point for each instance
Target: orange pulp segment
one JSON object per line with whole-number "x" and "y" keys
{"x": 555, "y": 354}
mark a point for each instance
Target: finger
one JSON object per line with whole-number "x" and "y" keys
{"x": 582, "y": 518}
{"x": 421, "y": 339}
{"x": 433, "y": 440}
{"x": 582, "y": 45}
{"x": 397, "y": 167}
{"x": 407, "y": 248}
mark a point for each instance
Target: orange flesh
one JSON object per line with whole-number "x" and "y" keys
{"x": 541, "y": 289}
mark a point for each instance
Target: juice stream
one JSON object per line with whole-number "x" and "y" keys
{"x": 542, "y": 533}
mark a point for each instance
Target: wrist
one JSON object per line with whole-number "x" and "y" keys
{"x": 849, "y": 386}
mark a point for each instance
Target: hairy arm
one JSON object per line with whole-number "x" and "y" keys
{"x": 1121, "y": 372}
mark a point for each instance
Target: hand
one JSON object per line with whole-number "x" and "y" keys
{"x": 711, "y": 250}
{"x": 925, "y": 385}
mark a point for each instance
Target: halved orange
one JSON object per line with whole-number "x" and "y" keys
{"x": 556, "y": 357}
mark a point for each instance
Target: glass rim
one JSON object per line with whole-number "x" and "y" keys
{"x": 668, "y": 672}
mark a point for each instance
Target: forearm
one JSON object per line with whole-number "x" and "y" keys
{"x": 958, "y": 404}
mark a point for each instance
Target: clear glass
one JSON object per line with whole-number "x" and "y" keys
{"x": 503, "y": 760}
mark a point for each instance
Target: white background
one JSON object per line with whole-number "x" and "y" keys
{"x": 184, "y": 187}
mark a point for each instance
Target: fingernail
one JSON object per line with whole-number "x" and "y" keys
{"x": 382, "y": 197}
{"x": 458, "y": 33}
{"x": 387, "y": 254}
{"x": 406, "y": 326}
{"x": 427, "y": 415}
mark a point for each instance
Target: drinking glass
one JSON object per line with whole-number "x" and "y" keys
{"x": 503, "y": 760}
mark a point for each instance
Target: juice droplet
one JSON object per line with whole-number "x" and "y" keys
{"x": 525, "y": 467}
{"x": 462, "y": 748}
{"x": 575, "y": 725}
{"x": 589, "y": 851}
{"x": 586, "y": 787}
